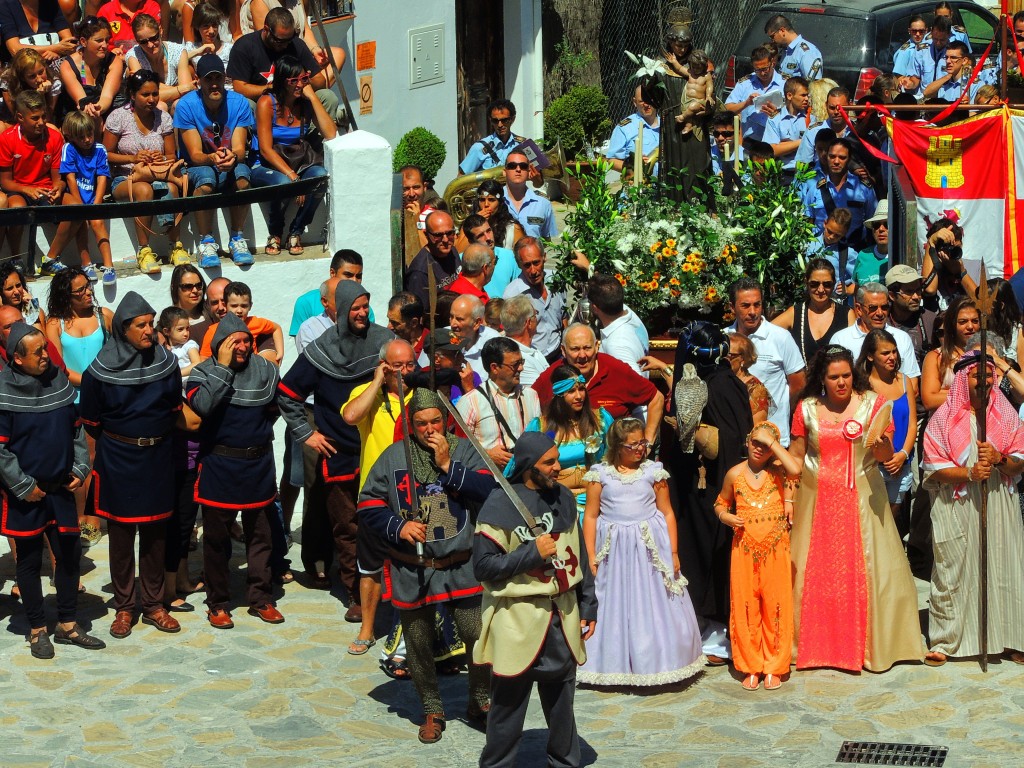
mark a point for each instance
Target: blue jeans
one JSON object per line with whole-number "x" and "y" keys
{"x": 265, "y": 176}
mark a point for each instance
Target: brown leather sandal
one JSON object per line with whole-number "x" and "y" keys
{"x": 431, "y": 730}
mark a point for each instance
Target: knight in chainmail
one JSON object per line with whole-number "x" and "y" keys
{"x": 451, "y": 480}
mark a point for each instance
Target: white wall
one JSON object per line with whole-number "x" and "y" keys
{"x": 524, "y": 65}
{"x": 397, "y": 108}
{"x": 275, "y": 286}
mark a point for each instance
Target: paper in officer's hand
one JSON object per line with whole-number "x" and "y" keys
{"x": 773, "y": 97}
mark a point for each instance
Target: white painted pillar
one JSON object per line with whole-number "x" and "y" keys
{"x": 524, "y": 65}
{"x": 359, "y": 164}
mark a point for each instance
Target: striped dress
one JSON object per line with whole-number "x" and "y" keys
{"x": 953, "y": 620}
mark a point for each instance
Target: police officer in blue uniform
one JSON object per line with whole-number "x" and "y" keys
{"x": 929, "y": 59}
{"x": 491, "y": 151}
{"x": 836, "y": 98}
{"x": 799, "y": 56}
{"x": 903, "y": 58}
{"x": 956, "y": 31}
{"x": 786, "y": 129}
{"x": 839, "y": 188}
{"x": 950, "y": 86}
{"x": 533, "y": 212}
{"x": 764, "y": 78}
{"x": 622, "y": 145}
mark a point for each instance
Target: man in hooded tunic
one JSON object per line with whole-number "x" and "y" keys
{"x": 43, "y": 458}
{"x": 450, "y": 480}
{"x": 235, "y": 393}
{"x": 329, "y": 368}
{"x": 130, "y": 401}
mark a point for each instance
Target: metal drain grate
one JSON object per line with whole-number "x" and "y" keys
{"x": 878, "y": 753}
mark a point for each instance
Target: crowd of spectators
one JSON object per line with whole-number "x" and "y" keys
{"x": 92, "y": 104}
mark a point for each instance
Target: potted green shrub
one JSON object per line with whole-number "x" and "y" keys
{"x": 422, "y": 148}
{"x": 578, "y": 121}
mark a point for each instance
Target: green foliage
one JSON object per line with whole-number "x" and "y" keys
{"x": 569, "y": 65}
{"x": 587, "y": 224}
{"x": 677, "y": 259}
{"x": 422, "y": 148}
{"x": 776, "y": 234}
{"x": 578, "y": 120}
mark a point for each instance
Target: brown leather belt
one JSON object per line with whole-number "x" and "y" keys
{"x": 437, "y": 563}
{"x": 255, "y": 452}
{"x": 141, "y": 442}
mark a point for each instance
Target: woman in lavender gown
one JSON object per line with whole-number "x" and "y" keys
{"x": 647, "y": 631}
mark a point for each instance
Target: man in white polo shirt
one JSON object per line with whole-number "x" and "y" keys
{"x": 779, "y": 365}
{"x": 872, "y": 308}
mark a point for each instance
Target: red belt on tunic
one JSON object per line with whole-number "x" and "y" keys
{"x": 141, "y": 442}
{"x": 437, "y": 563}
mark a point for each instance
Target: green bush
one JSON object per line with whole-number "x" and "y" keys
{"x": 421, "y": 148}
{"x": 577, "y": 119}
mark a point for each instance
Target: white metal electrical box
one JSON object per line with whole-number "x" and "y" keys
{"x": 426, "y": 56}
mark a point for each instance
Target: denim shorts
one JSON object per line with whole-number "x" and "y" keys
{"x": 160, "y": 191}
{"x": 208, "y": 176}
{"x": 897, "y": 485}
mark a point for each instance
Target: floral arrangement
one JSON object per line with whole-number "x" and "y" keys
{"x": 676, "y": 260}
{"x": 684, "y": 263}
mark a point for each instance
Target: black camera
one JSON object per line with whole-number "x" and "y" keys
{"x": 950, "y": 251}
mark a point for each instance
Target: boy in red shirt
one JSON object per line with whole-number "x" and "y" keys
{"x": 30, "y": 172}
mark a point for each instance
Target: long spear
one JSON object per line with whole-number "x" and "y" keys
{"x": 981, "y": 416}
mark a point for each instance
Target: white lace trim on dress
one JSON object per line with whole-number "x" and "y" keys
{"x": 627, "y": 678}
{"x": 675, "y": 585}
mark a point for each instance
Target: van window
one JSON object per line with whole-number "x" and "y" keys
{"x": 844, "y": 41}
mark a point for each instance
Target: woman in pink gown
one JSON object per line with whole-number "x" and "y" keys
{"x": 854, "y": 596}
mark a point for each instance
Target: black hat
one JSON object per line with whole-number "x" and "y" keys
{"x": 209, "y": 63}
{"x": 443, "y": 340}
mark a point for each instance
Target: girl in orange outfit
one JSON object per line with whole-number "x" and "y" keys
{"x": 757, "y": 503}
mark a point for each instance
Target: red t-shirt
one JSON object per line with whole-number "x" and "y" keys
{"x": 615, "y": 387}
{"x": 461, "y": 285}
{"x": 120, "y": 20}
{"x": 31, "y": 162}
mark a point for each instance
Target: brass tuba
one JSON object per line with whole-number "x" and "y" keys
{"x": 461, "y": 192}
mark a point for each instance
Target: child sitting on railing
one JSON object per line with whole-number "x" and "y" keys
{"x": 85, "y": 169}
{"x": 30, "y": 172}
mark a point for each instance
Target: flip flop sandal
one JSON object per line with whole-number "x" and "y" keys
{"x": 772, "y": 682}
{"x": 273, "y": 246}
{"x": 751, "y": 683}
{"x": 295, "y": 245}
{"x": 199, "y": 586}
{"x": 396, "y": 670}
{"x": 935, "y": 659}
{"x": 361, "y": 646}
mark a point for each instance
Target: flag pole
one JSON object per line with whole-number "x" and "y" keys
{"x": 981, "y": 417}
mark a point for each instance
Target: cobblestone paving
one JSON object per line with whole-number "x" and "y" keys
{"x": 263, "y": 696}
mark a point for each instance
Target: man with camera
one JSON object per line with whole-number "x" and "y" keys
{"x": 942, "y": 267}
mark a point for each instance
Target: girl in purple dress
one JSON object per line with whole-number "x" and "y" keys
{"x": 650, "y": 635}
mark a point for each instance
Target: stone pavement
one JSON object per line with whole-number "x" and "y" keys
{"x": 261, "y": 696}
